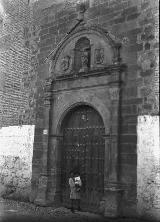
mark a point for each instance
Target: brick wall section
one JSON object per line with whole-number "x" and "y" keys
{"x": 17, "y": 65}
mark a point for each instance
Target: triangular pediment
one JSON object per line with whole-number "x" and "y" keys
{"x": 84, "y": 47}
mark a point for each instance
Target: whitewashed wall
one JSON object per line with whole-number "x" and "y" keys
{"x": 148, "y": 167}
{"x": 16, "y": 151}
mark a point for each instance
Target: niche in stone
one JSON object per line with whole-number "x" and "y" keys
{"x": 86, "y": 49}
{"x": 82, "y": 55}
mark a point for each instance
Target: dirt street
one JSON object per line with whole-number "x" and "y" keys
{"x": 26, "y": 212}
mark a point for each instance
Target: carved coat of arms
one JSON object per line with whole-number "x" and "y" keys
{"x": 99, "y": 56}
{"x": 65, "y": 64}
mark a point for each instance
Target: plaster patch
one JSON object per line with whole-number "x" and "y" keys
{"x": 16, "y": 152}
{"x": 148, "y": 166}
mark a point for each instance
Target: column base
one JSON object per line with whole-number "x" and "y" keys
{"x": 41, "y": 198}
{"x": 112, "y": 202}
{"x": 41, "y": 202}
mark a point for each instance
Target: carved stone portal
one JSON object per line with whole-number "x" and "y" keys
{"x": 83, "y": 50}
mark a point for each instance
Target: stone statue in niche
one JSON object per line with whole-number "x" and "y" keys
{"x": 82, "y": 55}
{"x": 65, "y": 64}
{"x": 99, "y": 56}
{"x": 84, "y": 60}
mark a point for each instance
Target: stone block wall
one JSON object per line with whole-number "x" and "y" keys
{"x": 135, "y": 25}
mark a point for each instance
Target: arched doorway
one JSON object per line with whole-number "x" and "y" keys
{"x": 83, "y": 150}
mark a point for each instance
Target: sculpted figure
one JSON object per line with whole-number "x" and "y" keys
{"x": 50, "y": 66}
{"x": 99, "y": 56}
{"x": 84, "y": 60}
{"x": 65, "y": 64}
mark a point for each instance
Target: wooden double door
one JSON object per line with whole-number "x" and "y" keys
{"x": 83, "y": 150}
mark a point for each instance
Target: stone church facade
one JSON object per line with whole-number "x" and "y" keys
{"x": 85, "y": 99}
{"x": 84, "y": 85}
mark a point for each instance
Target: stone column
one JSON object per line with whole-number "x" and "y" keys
{"x": 112, "y": 192}
{"x": 54, "y": 158}
{"x": 41, "y": 198}
{"x": 114, "y": 91}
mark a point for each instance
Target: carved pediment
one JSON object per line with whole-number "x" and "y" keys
{"x": 84, "y": 49}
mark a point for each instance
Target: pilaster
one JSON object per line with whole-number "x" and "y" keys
{"x": 41, "y": 198}
{"x": 112, "y": 190}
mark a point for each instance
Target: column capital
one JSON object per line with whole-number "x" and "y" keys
{"x": 114, "y": 93}
{"x": 48, "y": 91}
{"x": 56, "y": 136}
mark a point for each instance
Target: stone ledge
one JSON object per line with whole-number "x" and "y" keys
{"x": 113, "y": 189}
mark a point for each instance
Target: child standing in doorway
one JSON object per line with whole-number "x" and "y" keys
{"x": 75, "y": 188}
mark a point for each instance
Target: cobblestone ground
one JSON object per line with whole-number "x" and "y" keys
{"x": 22, "y": 212}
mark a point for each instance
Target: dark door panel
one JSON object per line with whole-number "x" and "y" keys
{"x": 83, "y": 150}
